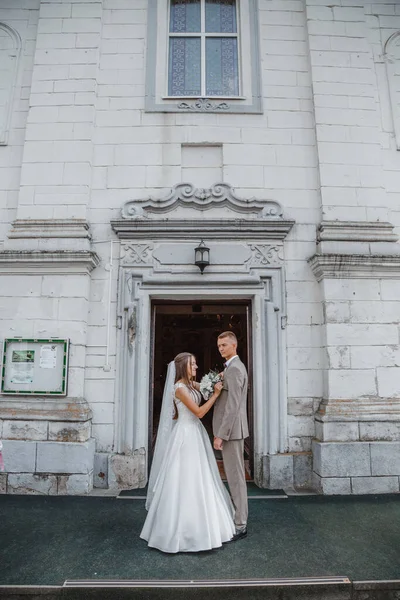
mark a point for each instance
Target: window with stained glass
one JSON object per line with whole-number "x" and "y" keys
{"x": 203, "y": 48}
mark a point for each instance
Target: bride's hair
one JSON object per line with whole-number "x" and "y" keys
{"x": 182, "y": 362}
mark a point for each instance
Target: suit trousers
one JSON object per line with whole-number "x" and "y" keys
{"x": 233, "y": 457}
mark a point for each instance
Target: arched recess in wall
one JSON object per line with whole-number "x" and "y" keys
{"x": 10, "y": 48}
{"x": 392, "y": 61}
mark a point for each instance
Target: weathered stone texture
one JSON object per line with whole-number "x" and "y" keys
{"x": 338, "y": 432}
{"x": 126, "y": 472}
{"x": 379, "y": 431}
{"x": 75, "y": 485}
{"x": 385, "y": 458}
{"x": 3, "y": 483}
{"x": 374, "y": 485}
{"x": 300, "y": 444}
{"x": 29, "y": 483}
{"x": 389, "y": 379}
{"x": 19, "y": 456}
{"x": 351, "y": 459}
{"x": 69, "y": 432}
{"x": 302, "y": 406}
{"x": 331, "y": 486}
{"x": 100, "y": 470}
{"x": 276, "y": 471}
{"x": 302, "y": 469}
{"x": 25, "y": 430}
{"x": 65, "y": 457}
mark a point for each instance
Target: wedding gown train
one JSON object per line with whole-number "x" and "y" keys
{"x": 191, "y": 509}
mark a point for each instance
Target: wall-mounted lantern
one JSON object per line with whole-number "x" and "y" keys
{"x": 202, "y": 256}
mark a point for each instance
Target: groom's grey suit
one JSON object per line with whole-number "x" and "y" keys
{"x": 230, "y": 424}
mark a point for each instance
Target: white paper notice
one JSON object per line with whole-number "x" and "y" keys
{"x": 48, "y": 357}
{"x": 21, "y": 372}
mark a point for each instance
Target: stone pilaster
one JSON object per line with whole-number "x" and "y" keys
{"x": 361, "y": 405}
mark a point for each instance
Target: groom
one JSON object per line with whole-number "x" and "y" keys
{"x": 230, "y": 427}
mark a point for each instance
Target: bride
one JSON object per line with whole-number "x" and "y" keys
{"x": 189, "y": 508}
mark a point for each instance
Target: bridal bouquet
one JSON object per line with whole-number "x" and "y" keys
{"x": 207, "y": 384}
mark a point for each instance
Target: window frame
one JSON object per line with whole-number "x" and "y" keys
{"x": 204, "y": 35}
{"x": 249, "y": 99}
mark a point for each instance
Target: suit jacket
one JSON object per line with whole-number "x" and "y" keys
{"x": 230, "y": 410}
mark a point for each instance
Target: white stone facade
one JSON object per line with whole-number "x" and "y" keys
{"x": 307, "y": 233}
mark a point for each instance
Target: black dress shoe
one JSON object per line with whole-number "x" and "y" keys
{"x": 240, "y": 533}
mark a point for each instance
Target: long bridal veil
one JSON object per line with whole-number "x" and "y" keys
{"x": 165, "y": 426}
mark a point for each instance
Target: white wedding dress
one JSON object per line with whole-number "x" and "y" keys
{"x": 191, "y": 509}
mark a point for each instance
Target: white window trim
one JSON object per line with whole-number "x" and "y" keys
{"x": 157, "y": 99}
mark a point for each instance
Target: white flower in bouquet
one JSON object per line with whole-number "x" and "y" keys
{"x": 207, "y": 384}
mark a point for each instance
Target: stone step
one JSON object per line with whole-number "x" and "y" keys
{"x": 307, "y": 588}
{"x": 312, "y": 588}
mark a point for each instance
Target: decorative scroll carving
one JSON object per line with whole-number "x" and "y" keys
{"x": 266, "y": 254}
{"x": 186, "y": 194}
{"x": 136, "y": 254}
{"x": 203, "y": 105}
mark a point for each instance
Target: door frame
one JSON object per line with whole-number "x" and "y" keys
{"x": 265, "y": 291}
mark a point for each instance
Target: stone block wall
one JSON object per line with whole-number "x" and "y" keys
{"x": 81, "y": 144}
{"x": 356, "y": 467}
{"x": 22, "y": 17}
{"x": 36, "y": 465}
{"x": 362, "y": 338}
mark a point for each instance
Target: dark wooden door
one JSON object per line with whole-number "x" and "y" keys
{"x": 182, "y": 327}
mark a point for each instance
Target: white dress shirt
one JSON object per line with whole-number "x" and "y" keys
{"x": 228, "y": 362}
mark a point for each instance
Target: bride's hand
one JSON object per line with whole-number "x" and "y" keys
{"x": 218, "y": 388}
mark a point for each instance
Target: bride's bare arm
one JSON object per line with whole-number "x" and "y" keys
{"x": 202, "y": 410}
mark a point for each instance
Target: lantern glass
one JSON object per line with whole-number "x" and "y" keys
{"x": 202, "y": 256}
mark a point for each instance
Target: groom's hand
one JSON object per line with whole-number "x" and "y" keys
{"x": 218, "y": 443}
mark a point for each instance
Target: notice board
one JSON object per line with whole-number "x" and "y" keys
{"x": 35, "y": 366}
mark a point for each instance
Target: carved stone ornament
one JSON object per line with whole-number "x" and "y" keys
{"x": 203, "y": 105}
{"x": 266, "y": 254}
{"x": 136, "y": 254}
{"x": 132, "y": 327}
{"x": 186, "y": 194}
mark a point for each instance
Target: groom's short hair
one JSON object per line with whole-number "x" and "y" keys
{"x": 228, "y": 334}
